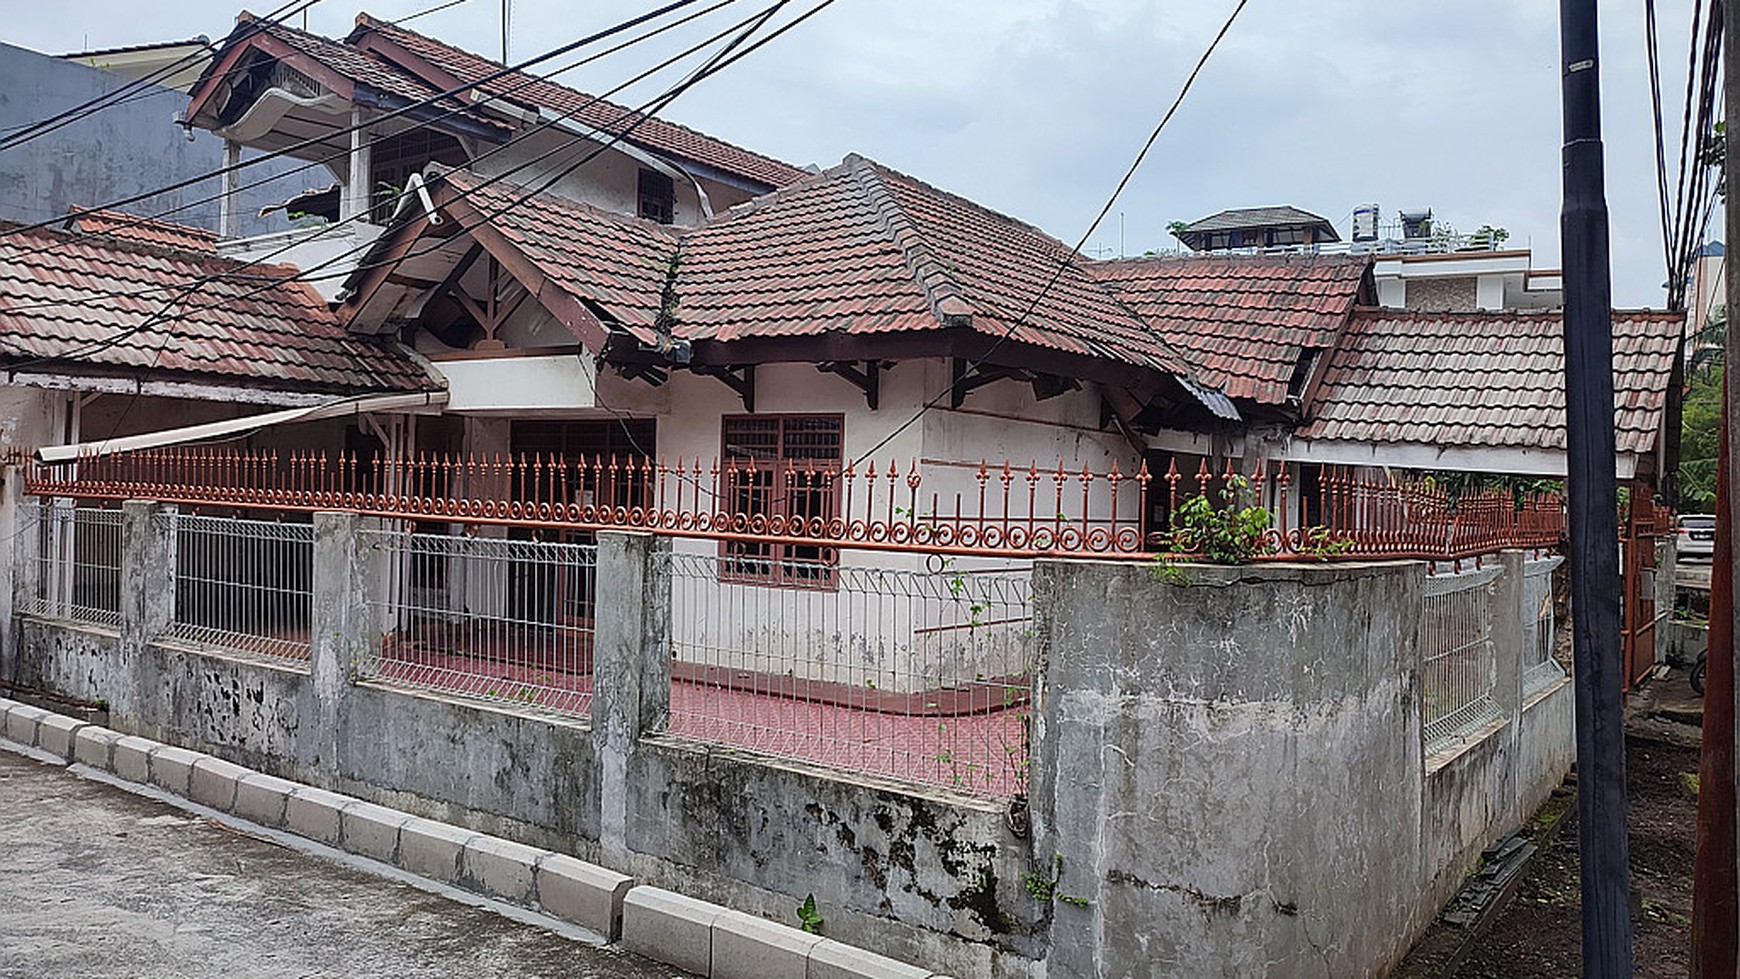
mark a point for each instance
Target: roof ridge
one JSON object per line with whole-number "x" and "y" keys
{"x": 948, "y": 300}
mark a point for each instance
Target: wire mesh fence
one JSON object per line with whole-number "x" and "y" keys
{"x": 1457, "y": 657}
{"x": 76, "y": 569}
{"x": 1540, "y": 628}
{"x": 243, "y": 585}
{"x": 487, "y": 617}
{"x": 921, "y": 675}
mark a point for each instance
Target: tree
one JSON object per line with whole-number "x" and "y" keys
{"x": 1700, "y": 436}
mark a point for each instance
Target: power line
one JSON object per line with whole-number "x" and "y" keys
{"x": 529, "y": 80}
{"x": 715, "y": 63}
{"x": 642, "y": 114}
{"x": 1069, "y": 260}
{"x": 414, "y": 105}
{"x": 68, "y": 116}
{"x": 307, "y": 274}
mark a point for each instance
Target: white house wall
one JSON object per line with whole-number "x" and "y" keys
{"x": 609, "y": 181}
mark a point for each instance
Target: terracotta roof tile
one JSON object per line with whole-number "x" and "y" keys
{"x": 862, "y": 248}
{"x": 76, "y": 297}
{"x": 144, "y": 231}
{"x": 1242, "y": 322}
{"x": 532, "y": 91}
{"x": 1483, "y": 379}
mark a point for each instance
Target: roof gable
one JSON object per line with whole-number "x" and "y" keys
{"x": 1244, "y": 323}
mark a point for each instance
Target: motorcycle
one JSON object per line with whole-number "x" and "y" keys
{"x": 1696, "y": 676}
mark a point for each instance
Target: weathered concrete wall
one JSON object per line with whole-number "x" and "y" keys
{"x": 1230, "y": 767}
{"x": 933, "y": 878}
{"x": 1231, "y": 772}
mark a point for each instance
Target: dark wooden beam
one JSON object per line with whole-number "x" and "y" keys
{"x": 868, "y": 379}
{"x": 968, "y": 378}
{"x": 739, "y": 379}
{"x": 1047, "y": 386}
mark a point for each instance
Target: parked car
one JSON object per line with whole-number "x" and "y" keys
{"x": 1697, "y": 535}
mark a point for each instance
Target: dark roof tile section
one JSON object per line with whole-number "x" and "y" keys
{"x": 532, "y": 91}
{"x": 862, "y": 248}
{"x": 1243, "y": 322}
{"x": 616, "y": 264}
{"x": 144, "y": 231}
{"x": 1490, "y": 380}
{"x": 1257, "y": 217}
{"x": 86, "y": 299}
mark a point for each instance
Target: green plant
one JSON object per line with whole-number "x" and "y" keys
{"x": 1044, "y": 889}
{"x": 1323, "y": 544}
{"x": 809, "y": 919}
{"x": 1232, "y": 533}
{"x": 1170, "y": 572}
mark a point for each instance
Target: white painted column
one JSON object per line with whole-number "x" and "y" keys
{"x": 229, "y": 214}
{"x": 357, "y": 189}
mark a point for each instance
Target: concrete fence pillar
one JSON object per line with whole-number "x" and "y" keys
{"x": 631, "y": 669}
{"x": 1227, "y": 767}
{"x": 1511, "y": 624}
{"x": 342, "y": 635}
{"x": 147, "y": 570}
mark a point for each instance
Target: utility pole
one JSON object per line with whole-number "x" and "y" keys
{"x": 1594, "y": 507}
{"x": 1715, "y": 901}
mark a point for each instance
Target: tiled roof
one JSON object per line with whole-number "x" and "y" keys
{"x": 529, "y": 90}
{"x": 862, "y": 248}
{"x": 616, "y": 263}
{"x": 1257, "y": 217}
{"x": 1243, "y": 322}
{"x": 78, "y": 297}
{"x": 1484, "y": 379}
{"x": 145, "y": 231}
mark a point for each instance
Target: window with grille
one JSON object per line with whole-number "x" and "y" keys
{"x": 658, "y": 197}
{"x": 784, "y": 468}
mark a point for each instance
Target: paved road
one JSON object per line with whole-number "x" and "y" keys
{"x": 95, "y": 881}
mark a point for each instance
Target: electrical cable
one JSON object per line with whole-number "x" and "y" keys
{"x": 527, "y": 81}
{"x": 542, "y": 126}
{"x": 414, "y": 105}
{"x": 1069, "y": 260}
{"x": 68, "y": 116}
{"x": 642, "y": 114}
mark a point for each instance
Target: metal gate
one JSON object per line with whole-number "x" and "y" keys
{"x": 1643, "y": 525}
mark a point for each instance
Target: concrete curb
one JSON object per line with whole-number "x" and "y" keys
{"x": 705, "y": 939}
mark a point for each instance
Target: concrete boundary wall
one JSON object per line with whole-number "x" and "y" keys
{"x": 1228, "y": 776}
{"x": 1230, "y": 767}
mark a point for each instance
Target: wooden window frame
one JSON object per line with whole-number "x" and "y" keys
{"x": 772, "y": 564}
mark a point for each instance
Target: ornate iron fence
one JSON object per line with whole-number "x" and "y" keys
{"x": 1004, "y": 510}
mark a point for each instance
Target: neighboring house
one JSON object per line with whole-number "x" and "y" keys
{"x": 1415, "y": 266}
{"x": 1708, "y": 288}
{"x": 170, "y": 64}
{"x": 130, "y": 148}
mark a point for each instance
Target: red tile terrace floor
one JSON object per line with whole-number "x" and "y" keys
{"x": 971, "y": 739}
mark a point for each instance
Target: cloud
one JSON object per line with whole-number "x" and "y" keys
{"x": 1035, "y": 107}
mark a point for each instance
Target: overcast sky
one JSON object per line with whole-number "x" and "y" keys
{"x": 1035, "y": 107}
